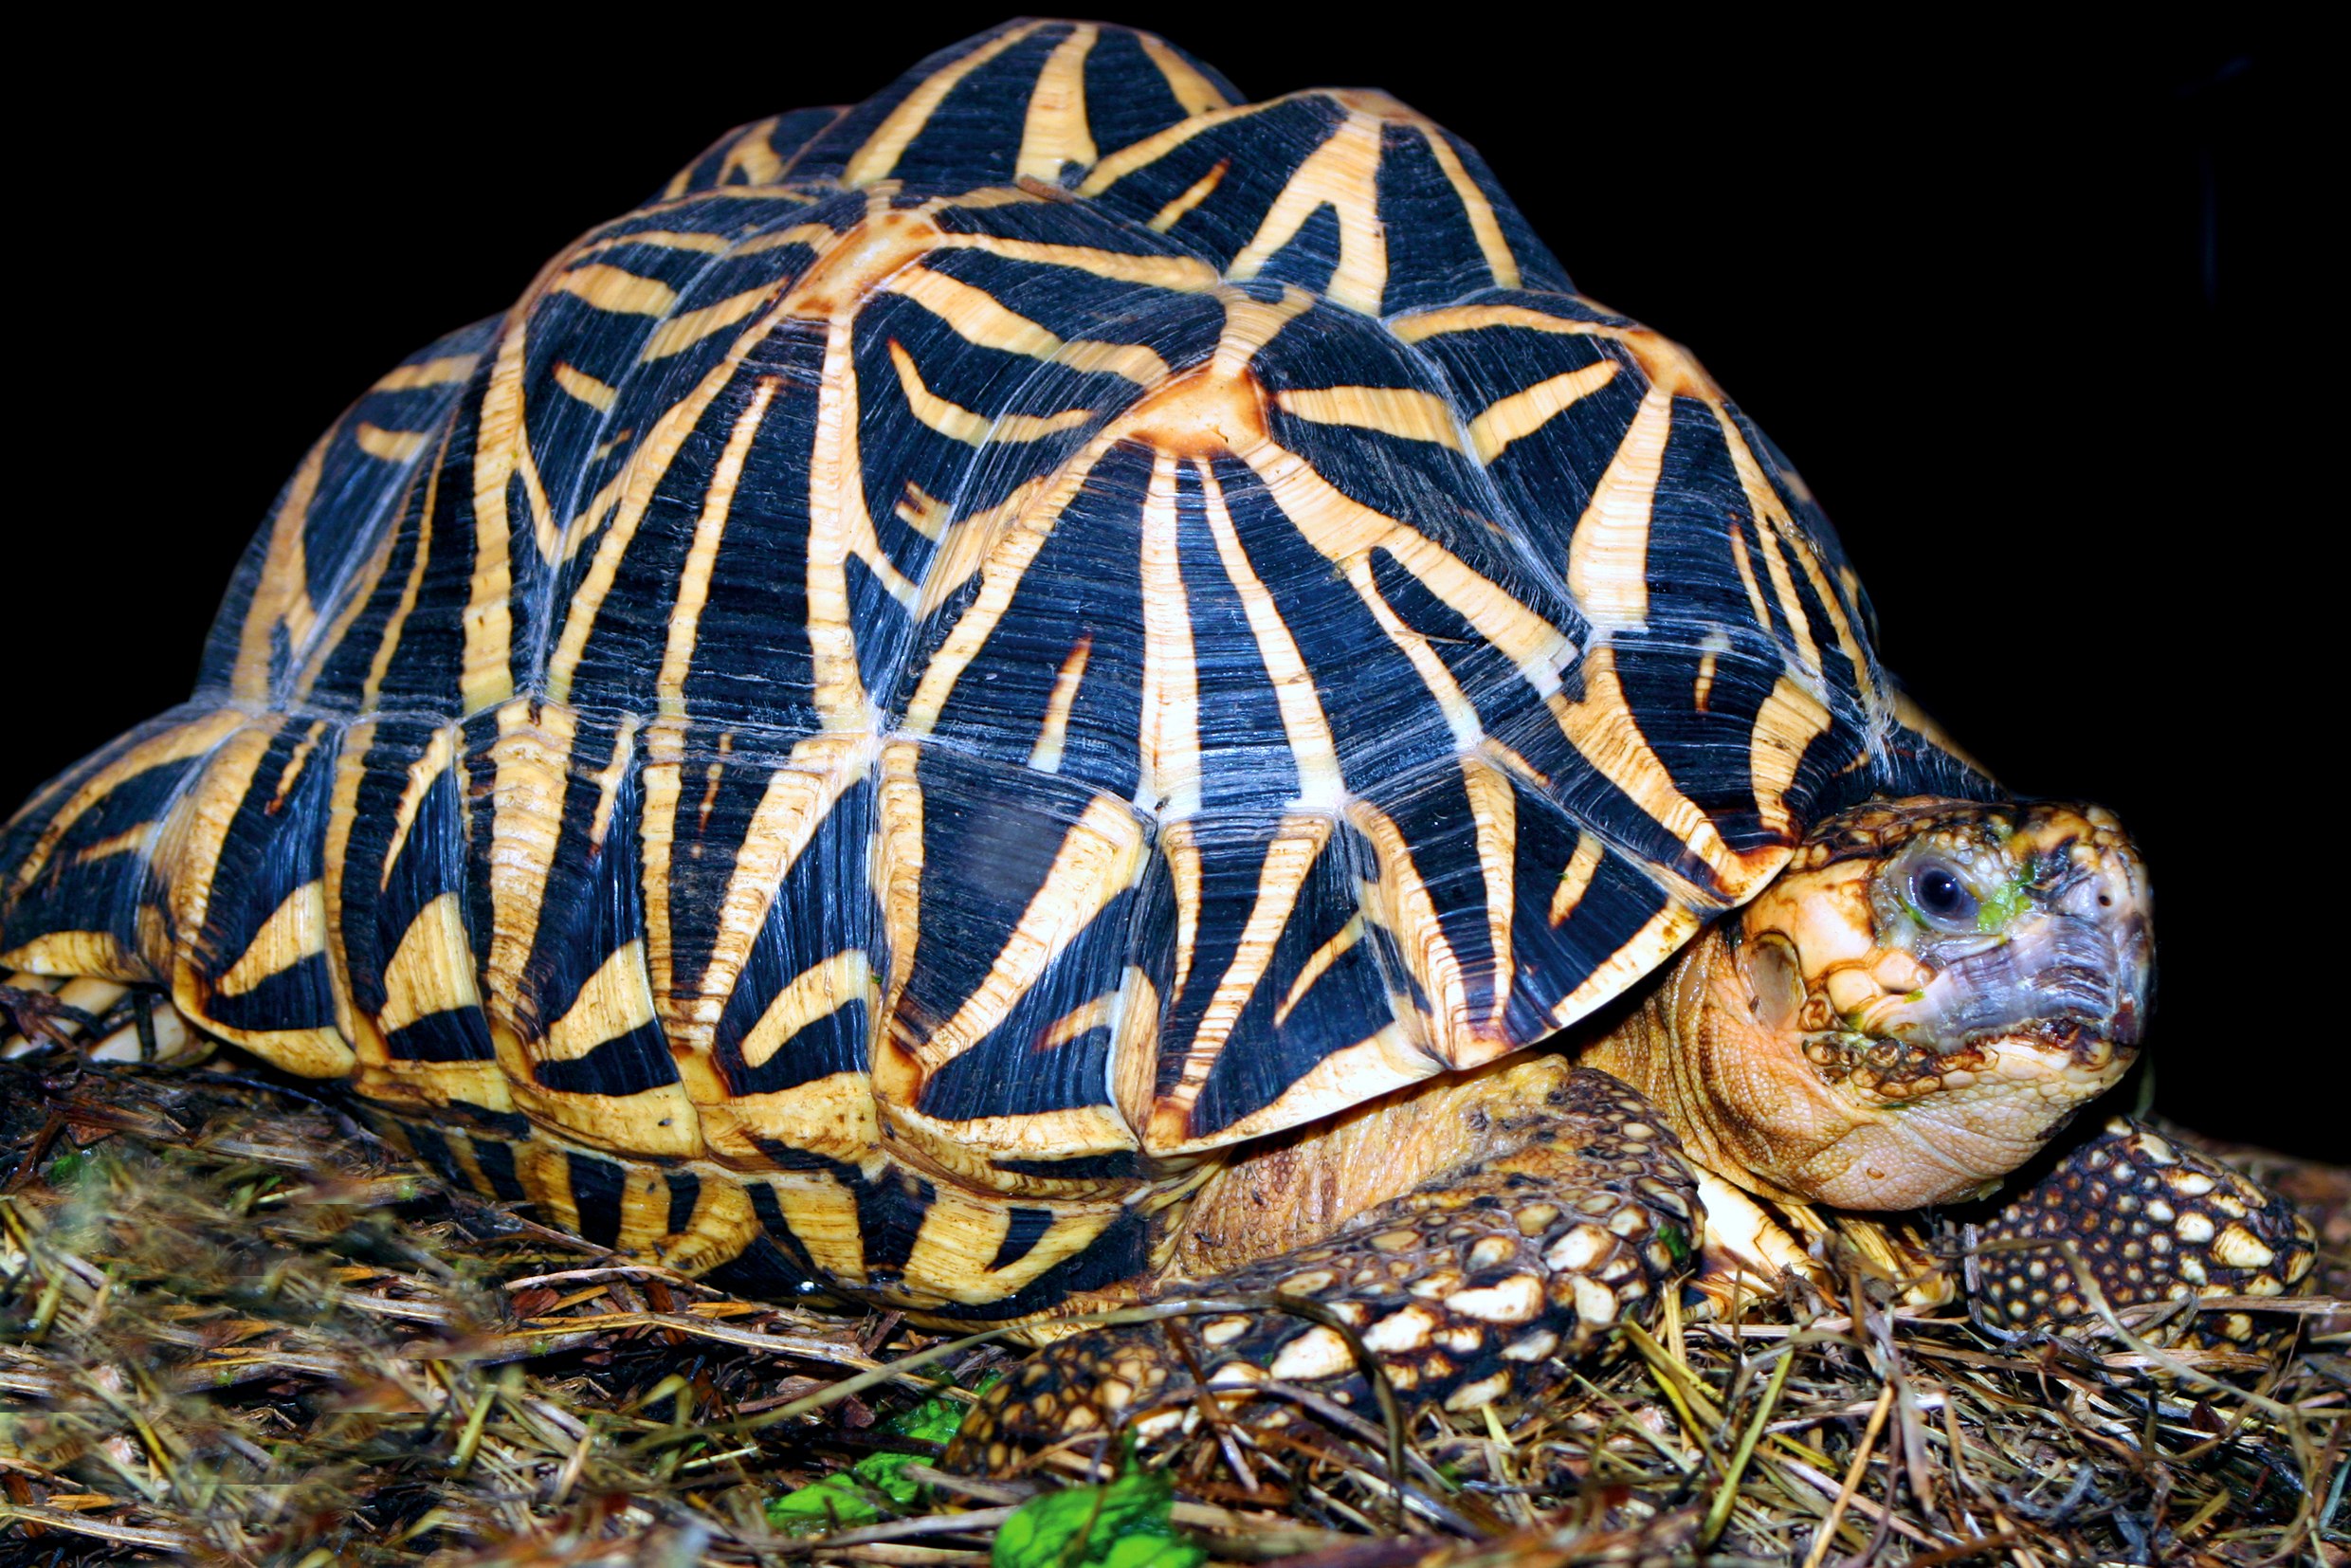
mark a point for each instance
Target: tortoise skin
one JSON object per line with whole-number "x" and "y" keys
{"x": 974, "y": 651}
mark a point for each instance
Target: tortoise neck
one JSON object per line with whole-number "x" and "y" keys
{"x": 1675, "y": 1046}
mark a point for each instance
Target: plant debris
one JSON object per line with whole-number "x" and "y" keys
{"x": 234, "y": 1328}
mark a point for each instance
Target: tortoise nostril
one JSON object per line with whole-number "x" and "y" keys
{"x": 2106, "y": 900}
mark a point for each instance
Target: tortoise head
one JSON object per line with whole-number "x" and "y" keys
{"x": 1918, "y": 1001}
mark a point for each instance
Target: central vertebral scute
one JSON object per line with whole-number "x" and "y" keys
{"x": 1201, "y": 413}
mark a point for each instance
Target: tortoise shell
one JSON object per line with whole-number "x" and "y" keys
{"x": 976, "y": 645}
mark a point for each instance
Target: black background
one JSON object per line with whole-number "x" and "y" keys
{"x": 2018, "y": 308}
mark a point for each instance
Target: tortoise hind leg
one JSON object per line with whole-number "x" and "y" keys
{"x": 1479, "y": 1285}
{"x": 103, "y": 1020}
{"x": 2154, "y": 1221}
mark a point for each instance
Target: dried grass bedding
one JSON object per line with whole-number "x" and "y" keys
{"x": 235, "y": 1329}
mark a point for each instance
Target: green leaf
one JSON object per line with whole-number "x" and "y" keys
{"x": 1124, "y": 1524}
{"x": 859, "y": 1494}
{"x": 932, "y": 1421}
{"x": 1153, "y": 1552}
{"x": 65, "y": 1167}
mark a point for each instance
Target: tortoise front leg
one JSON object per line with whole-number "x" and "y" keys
{"x": 2152, "y": 1220}
{"x": 1484, "y": 1281}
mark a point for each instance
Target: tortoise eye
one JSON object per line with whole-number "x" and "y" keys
{"x": 1940, "y": 897}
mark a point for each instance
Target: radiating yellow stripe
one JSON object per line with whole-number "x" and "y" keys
{"x": 577, "y": 383}
{"x": 1785, "y": 725}
{"x": 352, "y": 595}
{"x": 1600, "y": 724}
{"x": 1317, "y": 964}
{"x": 389, "y": 445}
{"x": 814, "y": 235}
{"x": 1170, "y": 730}
{"x": 608, "y": 781}
{"x": 1461, "y": 715}
{"x": 1342, "y": 527}
{"x": 487, "y": 679}
{"x": 614, "y": 1000}
{"x": 528, "y": 767}
{"x": 1095, "y": 862}
{"x": 881, "y": 152}
{"x": 389, "y": 640}
{"x": 1004, "y": 542}
{"x": 1079, "y": 1021}
{"x": 121, "y": 843}
{"x": 1181, "y": 274}
{"x": 1608, "y": 556}
{"x": 702, "y": 554}
{"x": 978, "y": 317}
{"x": 682, "y": 331}
{"x": 432, "y": 971}
{"x": 1195, "y": 94}
{"x": 662, "y": 239}
{"x": 747, "y": 149}
{"x": 1388, "y": 1057}
{"x": 1046, "y": 755}
{"x": 431, "y": 373}
{"x": 973, "y": 314}
{"x": 1482, "y": 223}
{"x": 1179, "y": 846}
{"x": 1055, "y": 131}
{"x": 1746, "y": 571}
{"x": 641, "y": 480}
{"x": 617, "y": 290}
{"x": 817, "y": 992}
{"x": 1343, "y": 172}
{"x": 1577, "y": 879}
{"x": 1250, "y": 325}
{"x": 282, "y": 596}
{"x": 1764, "y": 503}
{"x": 177, "y": 744}
{"x": 294, "y": 931}
{"x": 1289, "y": 860}
{"x": 439, "y": 756}
{"x": 1418, "y": 326}
{"x": 1303, "y": 723}
{"x": 791, "y": 811}
{"x": 1494, "y": 821}
{"x": 1401, "y": 411}
{"x": 1664, "y": 933}
{"x": 1134, "y": 362}
{"x": 958, "y": 423}
{"x": 1143, "y": 153}
{"x": 837, "y": 520}
{"x": 200, "y": 823}
{"x": 1193, "y": 196}
{"x": 1523, "y": 413}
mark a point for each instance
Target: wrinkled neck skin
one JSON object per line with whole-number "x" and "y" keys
{"x": 1750, "y": 1105}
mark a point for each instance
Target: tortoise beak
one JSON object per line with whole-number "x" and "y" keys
{"x": 2073, "y": 970}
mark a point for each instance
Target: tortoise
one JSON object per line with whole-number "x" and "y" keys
{"x": 1059, "y": 685}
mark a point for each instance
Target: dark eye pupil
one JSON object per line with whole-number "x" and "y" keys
{"x": 1940, "y": 893}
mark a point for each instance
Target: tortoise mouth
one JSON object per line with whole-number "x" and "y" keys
{"x": 2055, "y": 1054}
